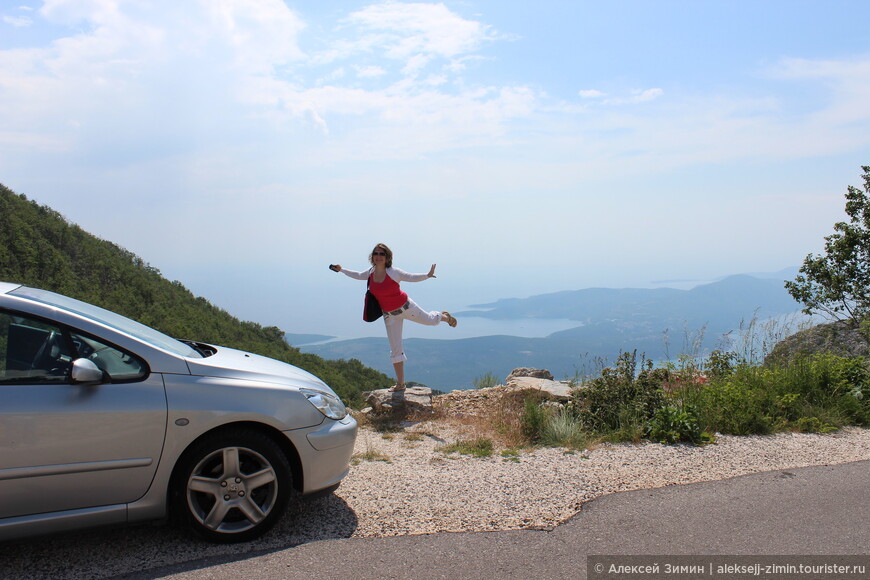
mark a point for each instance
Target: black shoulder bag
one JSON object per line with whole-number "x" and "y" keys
{"x": 372, "y": 310}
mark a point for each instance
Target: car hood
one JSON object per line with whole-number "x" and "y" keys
{"x": 237, "y": 364}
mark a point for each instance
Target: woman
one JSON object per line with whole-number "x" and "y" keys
{"x": 384, "y": 284}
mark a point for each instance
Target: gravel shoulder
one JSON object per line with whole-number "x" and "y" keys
{"x": 403, "y": 484}
{"x": 408, "y": 486}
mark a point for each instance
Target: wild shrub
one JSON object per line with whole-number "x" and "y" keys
{"x": 675, "y": 425}
{"x": 688, "y": 401}
{"x": 506, "y": 421}
{"x": 533, "y": 420}
{"x": 620, "y": 400}
{"x": 819, "y": 393}
{"x": 561, "y": 429}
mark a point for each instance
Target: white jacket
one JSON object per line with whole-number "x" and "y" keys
{"x": 395, "y": 273}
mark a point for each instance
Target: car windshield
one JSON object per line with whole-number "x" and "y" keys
{"x": 110, "y": 319}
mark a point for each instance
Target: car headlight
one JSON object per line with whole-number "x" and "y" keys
{"x": 327, "y": 403}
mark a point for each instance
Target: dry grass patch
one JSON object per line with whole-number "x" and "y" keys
{"x": 370, "y": 454}
{"x": 478, "y": 447}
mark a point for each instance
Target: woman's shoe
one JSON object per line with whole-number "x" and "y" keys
{"x": 395, "y": 388}
{"x": 449, "y": 318}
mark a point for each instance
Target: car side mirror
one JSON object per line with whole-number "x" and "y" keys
{"x": 86, "y": 371}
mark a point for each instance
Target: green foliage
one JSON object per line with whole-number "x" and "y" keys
{"x": 838, "y": 283}
{"x": 687, "y": 403}
{"x": 533, "y": 419}
{"x": 720, "y": 364}
{"x": 39, "y": 248}
{"x": 510, "y": 456}
{"x": 485, "y": 381}
{"x": 621, "y": 400}
{"x": 676, "y": 425}
{"x": 561, "y": 429}
{"x": 818, "y": 393}
{"x": 479, "y": 447}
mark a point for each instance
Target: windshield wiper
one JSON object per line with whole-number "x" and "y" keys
{"x": 204, "y": 350}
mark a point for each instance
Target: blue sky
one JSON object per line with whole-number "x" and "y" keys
{"x": 240, "y": 146}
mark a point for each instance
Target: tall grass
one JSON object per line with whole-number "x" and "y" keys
{"x": 485, "y": 381}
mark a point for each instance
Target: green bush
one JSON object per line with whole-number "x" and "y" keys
{"x": 817, "y": 394}
{"x": 685, "y": 403}
{"x": 619, "y": 400}
{"x": 674, "y": 425}
{"x": 561, "y": 429}
{"x": 534, "y": 419}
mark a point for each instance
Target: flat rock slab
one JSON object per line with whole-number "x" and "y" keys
{"x": 411, "y": 399}
{"x": 557, "y": 389}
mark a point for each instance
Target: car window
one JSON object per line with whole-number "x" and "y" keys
{"x": 32, "y": 350}
{"x": 120, "y": 365}
{"x": 108, "y": 318}
{"x": 37, "y": 351}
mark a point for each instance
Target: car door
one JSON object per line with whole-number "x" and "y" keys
{"x": 68, "y": 446}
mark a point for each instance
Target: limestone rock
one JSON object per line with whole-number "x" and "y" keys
{"x": 557, "y": 390}
{"x": 412, "y": 399}
{"x": 527, "y": 372}
{"x": 839, "y": 338}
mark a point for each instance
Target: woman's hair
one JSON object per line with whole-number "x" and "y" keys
{"x": 388, "y": 251}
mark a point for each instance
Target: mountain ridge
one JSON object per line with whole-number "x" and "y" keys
{"x": 610, "y": 321}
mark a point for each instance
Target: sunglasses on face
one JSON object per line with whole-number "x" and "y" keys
{"x": 379, "y": 253}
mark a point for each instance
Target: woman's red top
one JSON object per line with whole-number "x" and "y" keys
{"x": 390, "y": 296}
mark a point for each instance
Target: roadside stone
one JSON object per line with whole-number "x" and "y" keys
{"x": 411, "y": 400}
{"x": 529, "y": 372}
{"x": 558, "y": 390}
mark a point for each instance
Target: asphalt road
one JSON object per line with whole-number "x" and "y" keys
{"x": 802, "y": 512}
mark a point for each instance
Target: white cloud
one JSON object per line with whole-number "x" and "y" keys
{"x": 204, "y": 78}
{"x": 409, "y": 39}
{"x": 406, "y": 30}
{"x": 18, "y": 21}
{"x": 847, "y": 81}
{"x": 637, "y": 96}
{"x": 74, "y": 12}
{"x": 370, "y": 71}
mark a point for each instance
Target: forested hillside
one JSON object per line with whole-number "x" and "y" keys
{"x": 40, "y": 248}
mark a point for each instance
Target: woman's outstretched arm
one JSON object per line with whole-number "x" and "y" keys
{"x": 400, "y": 275}
{"x": 351, "y": 273}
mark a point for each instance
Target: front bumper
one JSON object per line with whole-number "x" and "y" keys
{"x": 324, "y": 452}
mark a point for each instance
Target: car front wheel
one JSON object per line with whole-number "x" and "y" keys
{"x": 232, "y": 486}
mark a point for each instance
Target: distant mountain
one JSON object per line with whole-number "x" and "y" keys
{"x": 716, "y": 304}
{"x": 659, "y": 322}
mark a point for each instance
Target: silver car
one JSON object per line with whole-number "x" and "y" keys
{"x": 106, "y": 421}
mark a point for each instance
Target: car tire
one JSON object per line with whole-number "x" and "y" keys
{"x": 232, "y": 486}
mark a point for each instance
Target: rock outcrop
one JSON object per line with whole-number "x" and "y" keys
{"x": 541, "y": 380}
{"x": 419, "y": 400}
{"x": 556, "y": 390}
{"x": 527, "y": 372}
{"x": 838, "y": 338}
{"x": 411, "y": 400}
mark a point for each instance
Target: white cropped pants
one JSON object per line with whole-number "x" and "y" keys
{"x": 394, "y": 323}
